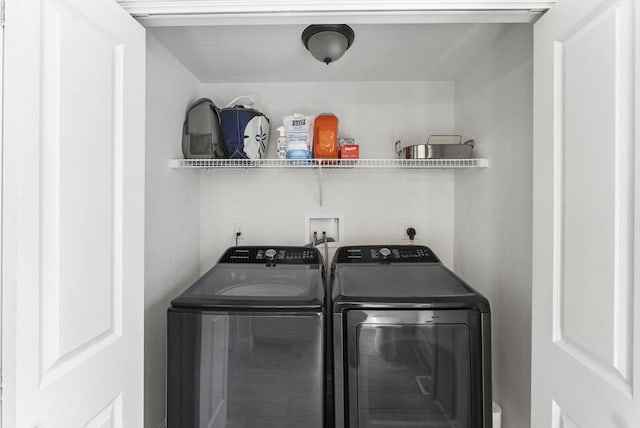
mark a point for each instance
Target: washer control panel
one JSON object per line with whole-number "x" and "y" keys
{"x": 386, "y": 254}
{"x": 272, "y": 255}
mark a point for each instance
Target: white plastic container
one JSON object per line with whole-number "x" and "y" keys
{"x": 299, "y": 132}
{"x": 497, "y": 415}
{"x": 282, "y": 143}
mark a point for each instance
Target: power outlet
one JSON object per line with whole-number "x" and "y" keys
{"x": 405, "y": 235}
{"x": 238, "y": 229}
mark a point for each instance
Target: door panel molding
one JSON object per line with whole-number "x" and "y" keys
{"x": 560, "y": 419}
{"x": 66, "y": 234}
{"x": 614, "y": 306}
{"x": 109, "y": 416}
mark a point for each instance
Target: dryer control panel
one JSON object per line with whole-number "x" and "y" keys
{"x": 386, "y": 254}
{"x": 269, "y": 255}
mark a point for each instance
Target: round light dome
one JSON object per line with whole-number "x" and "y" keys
{"x": 327, "y": 43}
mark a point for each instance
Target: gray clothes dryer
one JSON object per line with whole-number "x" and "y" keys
{"x": 411, "y": 342}
{"x": 246, "y": 342}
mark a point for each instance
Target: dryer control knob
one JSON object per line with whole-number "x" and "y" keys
{"x": 385, "y": 252}
{"x": 270, "y": 253}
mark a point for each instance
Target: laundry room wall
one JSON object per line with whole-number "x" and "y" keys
{"x": 172, "y": 217}
{"x": 493, "y": 208}
{"x": 375, "y": 205}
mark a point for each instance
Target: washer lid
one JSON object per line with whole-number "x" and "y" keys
{"x": 407, "y": 281}
{"x": 402, "y": 285}
{"x": 255, "y": 286}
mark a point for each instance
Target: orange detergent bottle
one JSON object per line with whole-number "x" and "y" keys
{"x": 325, "y": 137}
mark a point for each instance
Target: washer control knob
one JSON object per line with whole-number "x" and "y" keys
{"x": 270, "y": 253}
{"x": 385, "y": 252}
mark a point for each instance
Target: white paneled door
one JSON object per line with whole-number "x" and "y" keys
{"x": 73, "y": 194}
{"x": 586, "y": 265}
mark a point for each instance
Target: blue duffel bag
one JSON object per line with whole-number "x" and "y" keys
{"x": 245, "y": 130}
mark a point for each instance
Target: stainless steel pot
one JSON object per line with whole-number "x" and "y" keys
{"x": 453, "y": 149}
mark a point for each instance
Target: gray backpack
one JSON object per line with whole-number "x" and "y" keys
{"x": 201, "y": 132}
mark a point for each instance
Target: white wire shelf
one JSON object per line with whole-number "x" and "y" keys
{"x": 329, "y": 164}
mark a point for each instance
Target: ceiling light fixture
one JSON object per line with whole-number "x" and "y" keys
{"x": 327, "y": 42}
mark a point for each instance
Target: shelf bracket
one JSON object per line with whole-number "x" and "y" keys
{"x": 320, "y": 183}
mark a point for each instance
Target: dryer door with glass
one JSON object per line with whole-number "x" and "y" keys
{"x": 245, "y": 369}
{"x": 414, "y": 368}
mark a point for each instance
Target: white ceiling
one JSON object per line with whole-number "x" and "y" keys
{"x": 380, "y": 52}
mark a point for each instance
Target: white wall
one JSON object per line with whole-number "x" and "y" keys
{"x": 172, "y": 214}
{"x": 374, "y": 204}
{"x": 493, "y": 218}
